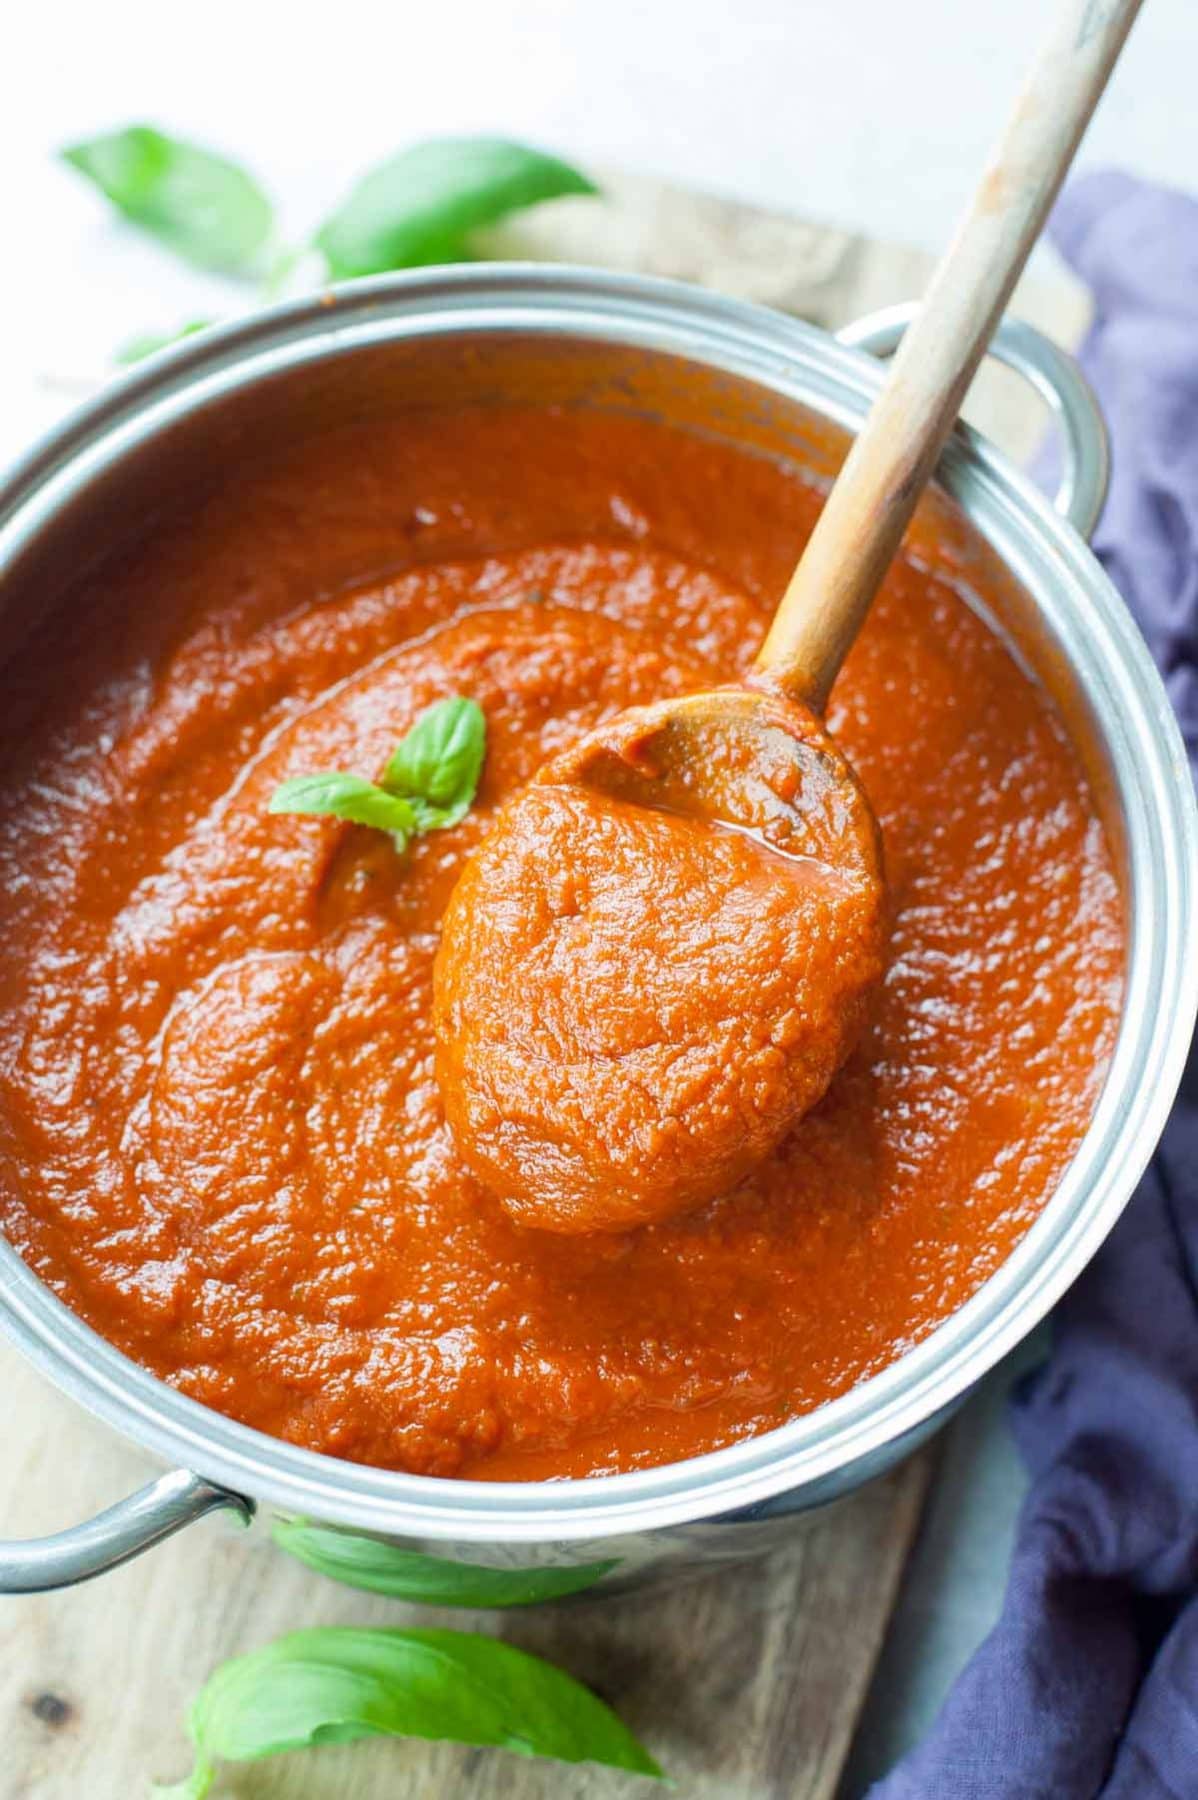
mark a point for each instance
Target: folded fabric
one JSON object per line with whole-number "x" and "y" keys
{"x": 1088, "y": 1685}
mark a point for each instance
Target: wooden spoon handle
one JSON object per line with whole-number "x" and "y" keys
{"x": 878, "y": 488}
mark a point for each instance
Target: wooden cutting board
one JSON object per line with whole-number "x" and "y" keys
{"x": 746, "y": 1684}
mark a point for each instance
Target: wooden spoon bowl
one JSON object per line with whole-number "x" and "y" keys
{"x": 744, "y": 758}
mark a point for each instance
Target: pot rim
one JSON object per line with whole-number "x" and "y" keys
{"x": 802, "y": 363}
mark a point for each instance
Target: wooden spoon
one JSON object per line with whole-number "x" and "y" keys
{"x": 667, "y": 754}
{"x": 634, "y": 1006}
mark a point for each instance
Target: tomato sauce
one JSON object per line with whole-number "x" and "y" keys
{"x": 634, "y": 1001}
{"x": 221, "y": 1137}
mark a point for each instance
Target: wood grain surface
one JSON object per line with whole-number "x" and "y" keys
{"x": 745, "y": 1684}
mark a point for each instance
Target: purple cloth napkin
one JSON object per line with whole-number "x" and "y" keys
{"x": 1088, "y": 1685}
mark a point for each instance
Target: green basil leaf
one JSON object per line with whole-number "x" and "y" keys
{"x": 138, "y": 348}
{"x": 437, "y": 765}
{"x": 363, "y": 1562}
{"x": 349, "y": 797}
{"x": 420, "y": 206}
{"x": 203, "y": 207}
{"x": 429, "y": 783}
{"x": 337, "y": 1683}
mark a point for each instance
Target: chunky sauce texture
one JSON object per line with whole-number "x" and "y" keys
{"x": 221, "y": 1138}
{"x": 635, "y": 1004}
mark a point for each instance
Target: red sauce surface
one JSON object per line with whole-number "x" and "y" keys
{"x": 221, "y": 1139}
{"x": 634, "y": 1003}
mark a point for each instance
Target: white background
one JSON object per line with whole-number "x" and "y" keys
{"x": 872, "y": 113}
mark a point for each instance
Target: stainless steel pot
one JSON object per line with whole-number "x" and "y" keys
{"x": 712, "y": 364}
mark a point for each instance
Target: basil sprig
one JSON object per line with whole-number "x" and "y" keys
{"x": 417, "y": 207}
{"x": 208, "y": 210}
{"x": 337, "y": 1683}
{"x": 429, "y": 782}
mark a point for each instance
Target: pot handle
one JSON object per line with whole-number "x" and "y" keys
{"x": 114, "y": 1536}
{"x": 1057, "y": 379}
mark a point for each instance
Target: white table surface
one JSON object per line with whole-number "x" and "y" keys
{"x": 864, "y": 112}
{"x": 869, "y": 113}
